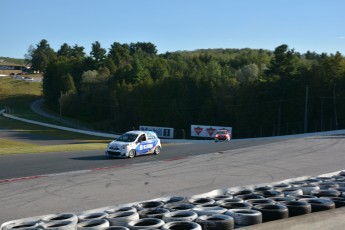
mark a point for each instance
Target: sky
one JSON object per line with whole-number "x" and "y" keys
{"x": 174, "y": 25}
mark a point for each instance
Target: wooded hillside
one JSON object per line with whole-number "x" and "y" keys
{"x": 257, "y": 92}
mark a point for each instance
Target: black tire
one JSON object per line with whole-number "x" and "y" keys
{"x": 272, "y": 193}
{"x": 145, "y": 223}
{"x": 250, "y": 196}
{"x": 131, "y": 153}
{"x": 318, "y": 204}
{"x": 197, "y": 201}
{"x": 272, "y": 211}
{"x": 245, "y": 217}
{"x": 236, "y": 205}
{"x": 215, "y": 222}
{"x": 181, "y": 225}
{"x": 157, "y": 150}
{"x": 297, "y": 208}
{"x": 175, "y": 199}
{"x": 284, "y": 198}
{"x": 338, "y": 201}
{"x": 326, "y": 193}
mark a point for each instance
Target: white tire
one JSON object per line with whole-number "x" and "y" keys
{"x": 92, "y": 216}
{"x": 122, "y": 218}
{"x": 145, "y": 223}
{"x": 93, "y": 224}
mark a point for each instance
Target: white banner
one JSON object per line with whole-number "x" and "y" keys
{"x": 207, "y": 131}
{"x": 163, "y": 132}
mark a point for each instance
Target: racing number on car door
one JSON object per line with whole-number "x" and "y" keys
{"x": 144, "y": 145}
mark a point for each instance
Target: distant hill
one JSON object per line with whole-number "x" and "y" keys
{"x": 13, "y": 60}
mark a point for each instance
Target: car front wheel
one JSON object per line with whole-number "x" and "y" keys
{"x": 157, "y": 150}
{"x": 131, "y": 153}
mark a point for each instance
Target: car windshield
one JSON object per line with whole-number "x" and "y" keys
{"x": 127, "y": 137}
{"x": 222, "y": 132}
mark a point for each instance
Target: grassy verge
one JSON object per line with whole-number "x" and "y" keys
{"x": 32, "y": 148}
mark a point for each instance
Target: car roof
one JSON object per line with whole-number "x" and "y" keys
{"x": 141, "y": 132}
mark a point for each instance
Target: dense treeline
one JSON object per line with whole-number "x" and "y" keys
{"x": 257, "y": 92}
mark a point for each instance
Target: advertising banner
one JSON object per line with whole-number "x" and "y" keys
{"x": 206, "y": 130}
{"x": 162, "y": 132}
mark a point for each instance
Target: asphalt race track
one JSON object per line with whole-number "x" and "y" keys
{"x": 88, "y": 181}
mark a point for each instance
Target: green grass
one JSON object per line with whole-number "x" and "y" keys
{"x": 17, "y": 95}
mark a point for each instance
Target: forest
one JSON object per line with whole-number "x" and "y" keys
{"x": 257, "y": 92}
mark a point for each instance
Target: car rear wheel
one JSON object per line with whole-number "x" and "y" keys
{"x": 157, "y": 150}
{"x": 131, "y": 153}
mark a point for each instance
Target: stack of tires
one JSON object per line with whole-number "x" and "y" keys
{"x": 234, "y": 209}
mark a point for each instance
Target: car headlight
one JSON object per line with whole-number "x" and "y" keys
{"x": 124, "y": 146}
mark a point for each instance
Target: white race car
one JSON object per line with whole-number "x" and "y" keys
{"x": 134, "y": 143}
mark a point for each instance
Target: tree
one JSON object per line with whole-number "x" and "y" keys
{"x": 98, "y": 53}
{"x": 42, "y": 56}
{"x": 65, "y": 51}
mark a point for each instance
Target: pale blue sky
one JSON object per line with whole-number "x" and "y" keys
{"x": 315, "y": 25}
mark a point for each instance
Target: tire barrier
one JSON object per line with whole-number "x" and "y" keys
{"x": 216, "y": 222}
{"x": 245, "y": 217}
{"x": 245, "y": 205}
{"x": 93, "y": 224}
{"x": 272, "y": 212}
{"x": 297, "y": 208}
{"x": 145, "y": 223}
{"x": 181, "y": 225}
